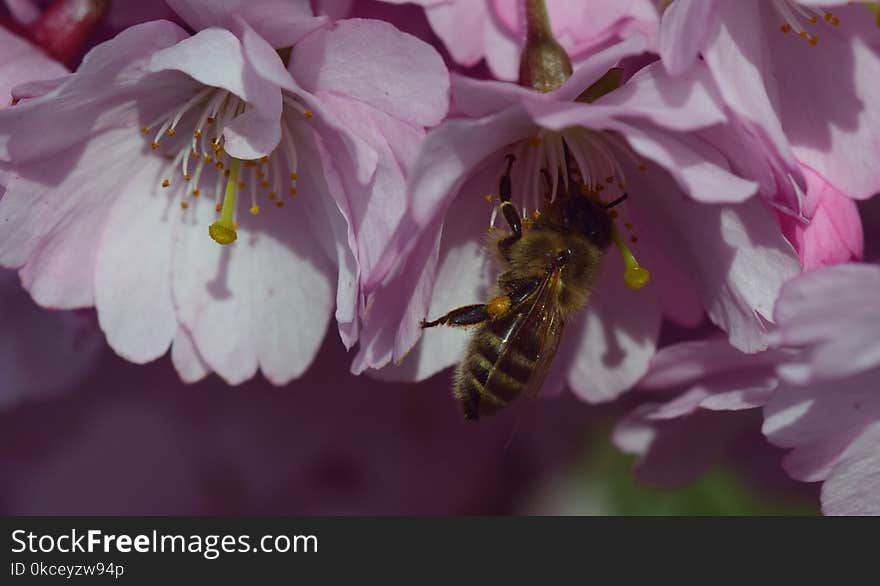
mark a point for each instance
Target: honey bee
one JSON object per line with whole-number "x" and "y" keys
{"x": 551, "y": 264}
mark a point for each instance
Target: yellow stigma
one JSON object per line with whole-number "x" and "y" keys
{"x": 223, "y": 230}
{"x": 635, "y": 275}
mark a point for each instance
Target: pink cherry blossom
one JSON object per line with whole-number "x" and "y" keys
{"x": 706, "y": 244}
{"x": 798, "y": 78}
{"x": 817, "y": 391}
{"x": 827, "y": 411}
{"x": 108, "y": 206}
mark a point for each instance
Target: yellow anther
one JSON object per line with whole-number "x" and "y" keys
{"x": 155, "y": 145}
{"x": 223, "y": 230}
{"x": 272, "y": 195}
{"x": 171, "y": 132}
{"x": 184, "y": 205}
{"x": 814, "y": 19}
{"x": 642, "y": 168}
{"x": 264, "y": 159}
{"x": 308, "y": 113}
{"x": 219, "y": 165}
{"x": 196, "y": 192}
{"x": 786, "y": 28}
{"x": 293, "y": 176}
{"x": 814, "y": 41}
{"x": 635, "y": 276}
{"x": 488, "y": 198}
{"x": 280, "y": 203}
{"x": 255, "y": 209}
{"x": 219, "y": 207}
{"x": 292, "y": 191}
{"x": 211, "y": 120}
{"x": 165, "y": 183}
{"x": 187, "y": 176}
{"x": 145, "y": 130}
{"x": 208, "y": 158}
{"x": 264, "y": 184}
{"x": 197, "y": 133}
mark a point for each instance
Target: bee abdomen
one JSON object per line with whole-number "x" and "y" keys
{"x": 477, "y": 394}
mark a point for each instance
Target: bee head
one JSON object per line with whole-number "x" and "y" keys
{"x": 589, "y": 218}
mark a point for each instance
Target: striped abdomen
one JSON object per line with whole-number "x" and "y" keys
{"x": 510, "y": 359}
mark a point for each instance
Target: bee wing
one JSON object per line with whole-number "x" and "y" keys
{"x": 539, "y": 318}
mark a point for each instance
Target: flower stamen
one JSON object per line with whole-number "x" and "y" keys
{"x": 635, "y": 276}
{"x": 223, "y": 230}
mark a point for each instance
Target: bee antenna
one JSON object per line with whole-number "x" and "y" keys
{"x": 617, "y": 201}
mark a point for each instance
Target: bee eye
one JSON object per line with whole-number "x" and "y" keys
{"x": 563, "y": 256}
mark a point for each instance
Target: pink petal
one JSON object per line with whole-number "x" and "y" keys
{"x": 683, "y": 30}
{"x": 618, "y": 339}
{"x": 94, "y": 99}
{"x": 251, "y": 136}
{"x": 834, "y": 232}
{"x": 699, "y": 170}
{"x": 373, "y": 62}
{"x": 264, "y": 301}
{"x": 853, "y": 488}
{"x": 735, "y": 253}
{"x": 827, "y": 107}
{"x": 692, "y": 362}
{"x": 391, "y": 321}
{"x": 820, "y": 421}
{"x": 215, "y": 57}
{"x": 56, "y": 249}
{"x": 815, "y": 308}
{"x": 740, "y": 65}
{"x": 186, "y": 358}
{"x": 281, "y": 22}
{"x": 682, "y": 103}
{"x": 461, "y": 26}
{"x": 598, "y": 65}
{"x": 132, "y": 268}
{"x": 21, "y": 62}
{"x": 463, "y": 277}
{"x": 375, "y": 210}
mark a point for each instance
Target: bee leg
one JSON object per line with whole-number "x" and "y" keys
{"x": 505, "y": 191}
{"x": 469, "y": 315}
